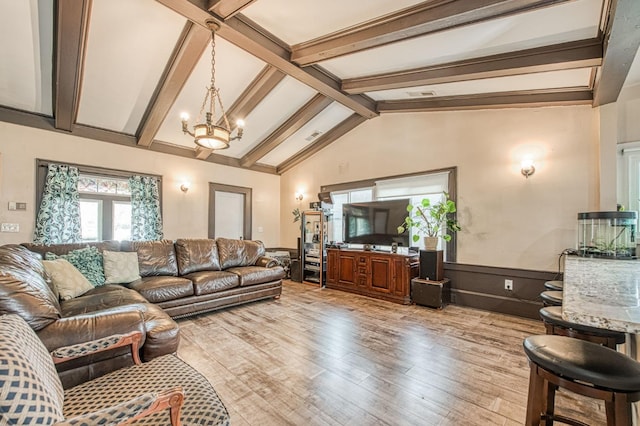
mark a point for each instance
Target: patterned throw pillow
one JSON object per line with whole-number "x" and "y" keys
{"x": 67, "y": 279}
{"x": 120, "y": 267}
{"x": 87, "y": 260}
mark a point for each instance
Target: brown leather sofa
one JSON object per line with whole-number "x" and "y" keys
{"x": 178, "y": 279}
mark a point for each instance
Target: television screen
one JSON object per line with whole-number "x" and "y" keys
{"x": 375, "y": 222}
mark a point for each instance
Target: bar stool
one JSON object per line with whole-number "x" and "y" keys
{"x": 551, "y": 298}
{"x": 553, "y": 322}
{"x": 554, "y": 285}
{"x": 581, "y": 367}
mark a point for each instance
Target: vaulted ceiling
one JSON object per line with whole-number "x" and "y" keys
{"x": 300, "y": 73}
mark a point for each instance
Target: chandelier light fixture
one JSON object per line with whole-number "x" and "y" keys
{"x": 214, "y": 133}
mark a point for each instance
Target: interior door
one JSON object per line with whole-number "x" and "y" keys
{"x": 229, "y": 211}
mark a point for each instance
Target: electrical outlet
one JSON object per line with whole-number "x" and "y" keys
{"x": 9, "y": 227}
{"x": 508, "y": 285}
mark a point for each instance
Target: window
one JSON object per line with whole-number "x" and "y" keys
{"x": 415, "y": 187}
{"x": 105, "y": 200}
{"x": 629, "y": 193}
{"x": 105, "y": 208}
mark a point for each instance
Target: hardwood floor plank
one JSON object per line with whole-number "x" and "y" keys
{"x": 324, "y": 357}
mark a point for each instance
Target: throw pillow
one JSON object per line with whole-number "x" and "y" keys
{"x": 87, "y": 260}
{"x": 120, "y": 267}
{"x": 67, "y": 279}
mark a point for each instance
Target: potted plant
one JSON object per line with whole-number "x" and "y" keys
{"x": 430, "y": 220}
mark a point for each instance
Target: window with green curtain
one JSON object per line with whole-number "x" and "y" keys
{"x": 58, "y": 219}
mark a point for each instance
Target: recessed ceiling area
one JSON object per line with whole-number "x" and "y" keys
{"x": 124, "y": 72}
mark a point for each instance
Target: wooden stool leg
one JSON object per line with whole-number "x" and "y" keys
{"x": 549, "y": 402}
{"x": 535, "y": 398}
{"x": 621, "y": 410}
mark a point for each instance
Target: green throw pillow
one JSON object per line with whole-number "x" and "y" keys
{"x": 87, "y": 260}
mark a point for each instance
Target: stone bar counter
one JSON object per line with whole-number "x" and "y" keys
{"x": 602, "y": 293}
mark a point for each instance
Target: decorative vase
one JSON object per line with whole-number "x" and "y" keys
{"x": 430, "y": 243}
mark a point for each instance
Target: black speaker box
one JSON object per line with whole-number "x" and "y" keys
{"x": 430, "y": 293}
{"x": 431, "y": 265}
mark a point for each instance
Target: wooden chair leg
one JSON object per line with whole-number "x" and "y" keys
{"x": 535, "y": 398}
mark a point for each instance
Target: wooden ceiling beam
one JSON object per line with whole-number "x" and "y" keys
{"x": 258, "y": 42}
{"x": 422, "y": 19}
{"x": 39, "y": 121}
{"x": 519, "y": 99}
{"x": 622, "y": 40}
{"x": 72, "y": 25}
{"x": 186, "y": 54}
{"x": 323, "y": 141}
{"x": 259, "y": 88}
{"x": 577, "y": 54}
{"x": 286, "y": 129}
{"x": 227, "y": 8}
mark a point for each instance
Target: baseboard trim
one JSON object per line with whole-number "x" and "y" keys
{"x": 482, "y": 287}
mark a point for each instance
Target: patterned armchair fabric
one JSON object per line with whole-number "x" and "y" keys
{"x": 31, "y": 392}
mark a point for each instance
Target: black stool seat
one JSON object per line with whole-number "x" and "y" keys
{"x": 553, "y": 315}
{"x": 554, "y": 285}
{"x": 551, "y": 298}
{"x": 584, "y": 361}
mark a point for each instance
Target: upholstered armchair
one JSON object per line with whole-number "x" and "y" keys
{"x": 162, "y": 391}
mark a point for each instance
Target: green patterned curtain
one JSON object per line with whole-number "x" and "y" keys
{"x": 58, "y": 219}
{"x": 146, "y": 223}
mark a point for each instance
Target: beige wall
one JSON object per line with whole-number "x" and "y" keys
{"x": 507, "y": 220}
{"x": 184, "y": 215}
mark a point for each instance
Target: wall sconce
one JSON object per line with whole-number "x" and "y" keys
{"x": 185, "y": 186}
{"x": 299, "y": 196}
{"x": 527, "y": 167}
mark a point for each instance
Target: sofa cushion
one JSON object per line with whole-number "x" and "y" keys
{"x": 87, "y": 260}
{"x": 163, "y": 333}
{"x": 101, "y": 298}
{"x": 154, "y": 257}
{"x": 31, "y": 390}
{"x": 23, "y": 289}
{"x": 206, "y": 282}
{"x": 197, "y": 255}
{"x": 67, "y": 279}
{"x": 120, "y": 267}
{"x": 162, "y": 288}
{"x": 250, "y": 275}
{"x": 238, "y": 252}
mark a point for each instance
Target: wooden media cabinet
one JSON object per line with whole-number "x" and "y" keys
{"x": 378, "y": 274}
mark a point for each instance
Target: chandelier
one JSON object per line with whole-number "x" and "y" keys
{"x": 214, "y": 133}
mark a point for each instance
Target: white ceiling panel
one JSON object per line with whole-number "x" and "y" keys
{"x": 235, "y": 69}
{"x": 523, "y": 31}
{"x": 283, "y": 101}
{"x": 302, "y": 20}
{"x": 543, "y": 80}
{"x": 323, "y": 122}
{"x": 25, "y": 68}
{"x": 126, "y": 55}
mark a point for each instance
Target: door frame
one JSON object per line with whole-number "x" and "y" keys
{"x": 245, "y": 192}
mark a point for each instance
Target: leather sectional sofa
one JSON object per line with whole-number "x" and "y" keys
{"x": 181, "y": 278}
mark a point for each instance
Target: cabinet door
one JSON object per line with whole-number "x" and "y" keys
{"x": 347, "y": 269}
{"x": 400, "y": 277}
{"x": 332, "y": 266}
{"x": 381, "y": 274}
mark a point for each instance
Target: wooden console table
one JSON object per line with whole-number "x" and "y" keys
{"x": 376, "y": 274}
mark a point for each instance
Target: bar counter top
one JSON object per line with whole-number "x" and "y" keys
{"x": 602, "y": 293}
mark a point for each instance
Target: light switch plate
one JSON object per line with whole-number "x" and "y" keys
{"x": 10, "y": 227}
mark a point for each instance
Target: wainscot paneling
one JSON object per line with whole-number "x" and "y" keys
{"x": 483, "y": 287}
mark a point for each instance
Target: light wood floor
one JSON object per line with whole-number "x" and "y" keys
{"x": 325, "y": 357}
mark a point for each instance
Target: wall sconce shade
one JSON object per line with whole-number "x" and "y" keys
{"x": 185, "y": 187}
{"x": 299, "y": 196}
{"x": 527, "y": 167}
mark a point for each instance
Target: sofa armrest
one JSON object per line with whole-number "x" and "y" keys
{"x": 267, "y": 262}
{"x": 132, "y": 339}
{"x": 93, "y": 326}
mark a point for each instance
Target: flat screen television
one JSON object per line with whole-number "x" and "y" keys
{"x": 375, "y": 222}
